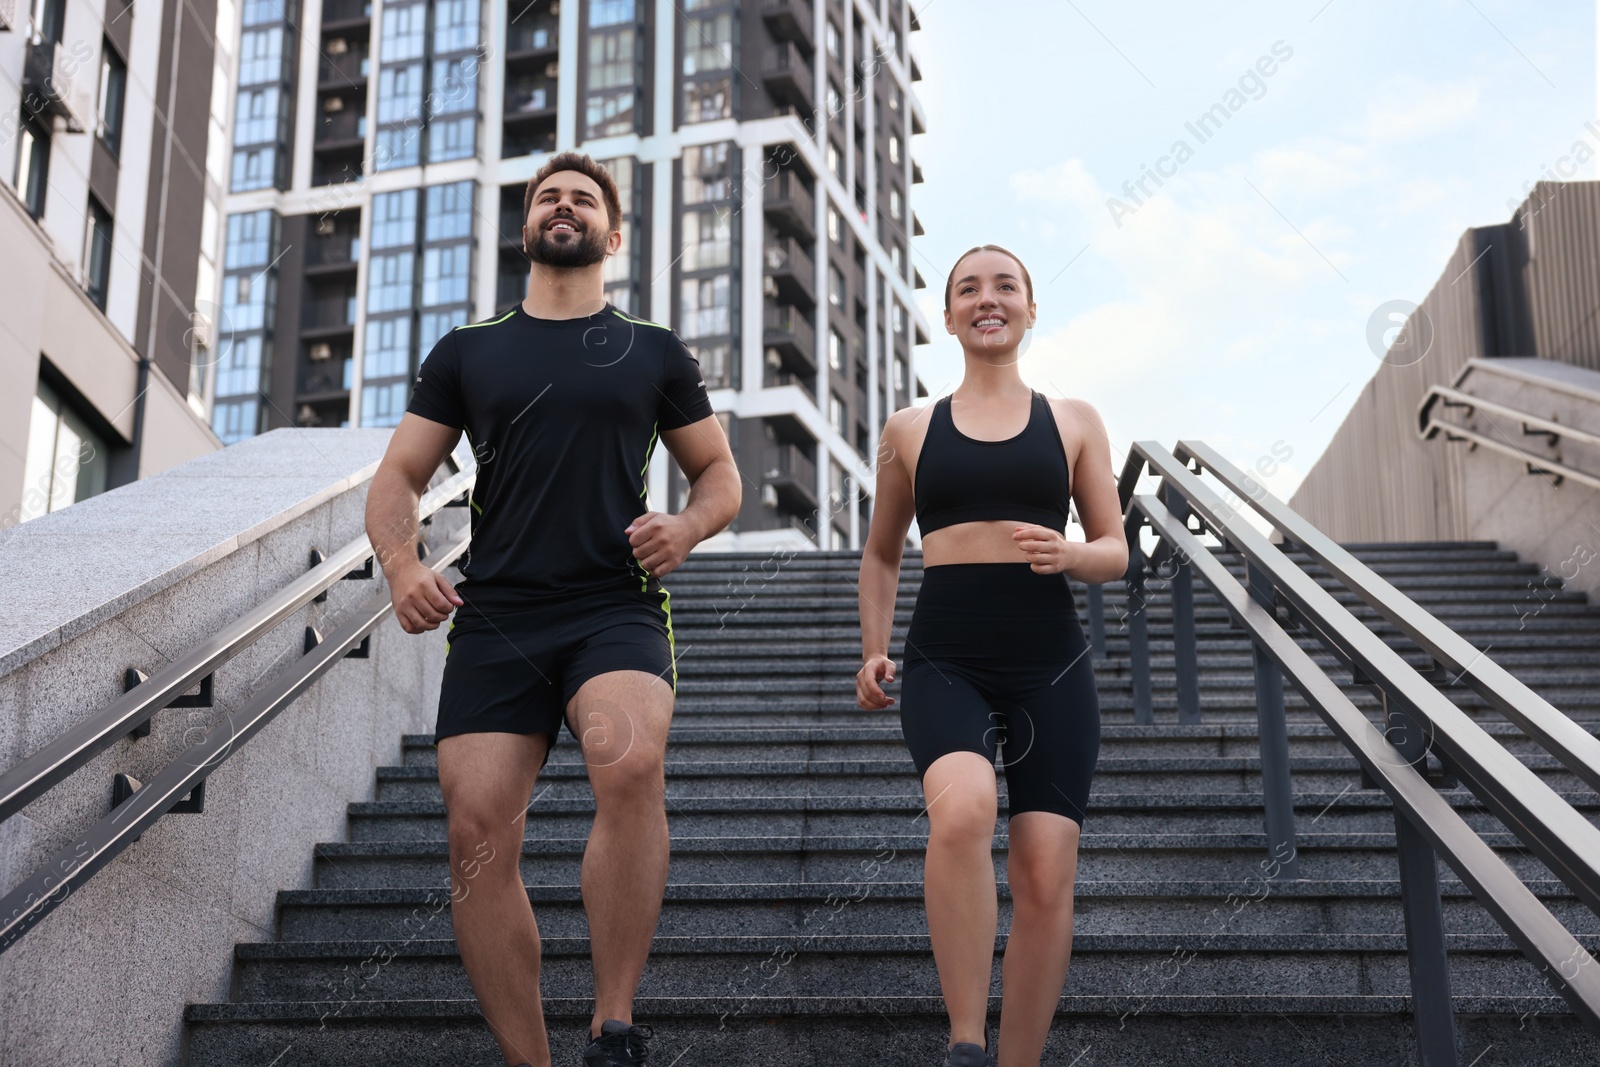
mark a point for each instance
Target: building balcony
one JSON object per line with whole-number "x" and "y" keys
{"x": 787, "y": 76}
{"x": 533, "y": 39}
{"x": 792, "y": 475}
{"x": 789, "y": 20}
{"x": 345, "y": 70}
{"x": 332, "y": 254}
{"x": 346, "y": 15}
{"x": 344, "y": 127}
{"x": 786, "y": 332}
{"x": 56, "y": 86}
{"x": 789, "y": 203}
{"x": 327, "y": 316}
{"x": 790, "y": 266}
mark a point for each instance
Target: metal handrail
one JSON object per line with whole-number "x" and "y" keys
{"x": 1429, "y": 425}
{"x": 1525, "y": 918}
{"x": 69, "y": 868}
{"x": 23, "y": 783}
{"x": 1576, "y": 748}
{"x": 1563, "y": 839}
{"x": 1425, "y": 824}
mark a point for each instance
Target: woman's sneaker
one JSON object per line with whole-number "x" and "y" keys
{"x": 619, "y": 1045}
{"x": 966, "y": 1054}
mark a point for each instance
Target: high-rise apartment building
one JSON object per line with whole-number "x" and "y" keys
{"x": 113, "y": 167}
{"x": 379, "y": 156}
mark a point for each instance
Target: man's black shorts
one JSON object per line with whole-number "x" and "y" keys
{"x": 515, "y": 671}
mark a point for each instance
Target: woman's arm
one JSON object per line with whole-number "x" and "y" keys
{"x": 892, "y": 512}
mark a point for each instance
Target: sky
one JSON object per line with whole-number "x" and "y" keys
{"x": 1234, "y": 302}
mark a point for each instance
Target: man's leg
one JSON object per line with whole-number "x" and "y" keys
{"x": 487, "y": 779}
{"x": 621, "y": 719}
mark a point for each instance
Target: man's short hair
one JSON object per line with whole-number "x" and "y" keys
{"x": 586, "y": 166}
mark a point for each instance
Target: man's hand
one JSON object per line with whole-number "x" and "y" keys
{"x": 423, "y": 598}
{"x": 1048, "y": 550}
{"x": 660, "y": 541}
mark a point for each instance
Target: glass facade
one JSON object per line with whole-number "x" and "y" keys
{"x": 428, "y": 103}
{"x": 615, "y": 77}
{"x": 708, "y": 60}
{"x": 419, "y": 287}
{"x": 707, "y": 262}
{"x": 244, "y": 333}
{"x": 261, "y": 110}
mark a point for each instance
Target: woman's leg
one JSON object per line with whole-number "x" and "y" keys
{"x": 959, "y": 886}
{"x": 1041, "y": 866}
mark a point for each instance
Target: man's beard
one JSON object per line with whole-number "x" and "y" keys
{"x": 587, "y": 250}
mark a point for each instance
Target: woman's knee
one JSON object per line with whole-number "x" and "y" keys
{"x": 1042, "y": 859}
{"x": 961, "y": 796}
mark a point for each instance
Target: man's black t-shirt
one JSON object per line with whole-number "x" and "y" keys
{"x": 562, "y": 415}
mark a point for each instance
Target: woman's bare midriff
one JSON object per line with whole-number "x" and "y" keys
{"x": 986, "y": 541}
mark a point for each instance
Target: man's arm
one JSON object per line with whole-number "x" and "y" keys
{"x": 422, "y": 598}
{"x": 661, "y": 542}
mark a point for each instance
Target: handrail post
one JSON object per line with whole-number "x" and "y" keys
{"x": 1276, "y": 790}
{"x": 1427, "y": 954}
{"x": 1097, "y": 620}
{"x": 1185, "y": 661}
{"x": 1138, "y": 633}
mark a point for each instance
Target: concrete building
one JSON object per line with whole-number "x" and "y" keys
{"x": 1459, "y": 433}
{"x": 379, "y": 158}
{"x": 112, "y": 167}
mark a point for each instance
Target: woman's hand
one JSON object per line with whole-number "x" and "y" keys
{"x": 870, "y": 679}
{"x": 1048, "y": 550}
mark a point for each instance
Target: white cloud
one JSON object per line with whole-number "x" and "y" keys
{"x": 1405, "y": 108}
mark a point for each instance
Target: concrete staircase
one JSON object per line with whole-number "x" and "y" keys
{"x": 793, "y": 930}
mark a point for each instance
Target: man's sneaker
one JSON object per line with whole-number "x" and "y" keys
{"x": 619, "y": 1045}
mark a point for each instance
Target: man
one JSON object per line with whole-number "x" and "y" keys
{"x": 561, "y": 609}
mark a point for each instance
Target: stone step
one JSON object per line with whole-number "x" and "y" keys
{"x": 867, "y": 906}
{"x": 809, "y": 965}
{"x": 1351, "y": 810}
{"x": 1112, "y": 1031}
{"x": 897, "y": 775}
{"x": 748, "y": 742}
{"x": 818, "y": 857}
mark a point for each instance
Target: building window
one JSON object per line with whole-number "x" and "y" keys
{"x": 66, "y": 460}
{"x": 618, "y": 274}
{"x": 894, "y": 204}
{"x": 835, "y": 99}
{"x": 707, "y": 61}
{"x": 615, "y": 50}
{"x": 899, "y": 374}
{"x": 897, "y": 317}
{"x": 97, "y": 253}
{"x": 113, "y": 87}
{"x": 707, "y": 239}
{"x": 835, "y": 225}
{"x": 835, "y": 350}
{"x": 834, "y": 42}
{"x": 836, "y": 413}
{"x": 707, "y": 173}
{"x": 894, "y": 149}
{"x": 835, "y": 160}
{"x": 705, "y": 310}
{"x": 394, "y": 219}
{"x": 715, "y": 367}
{"x": 33, "y": 166}
{"x": 455, "y": 25}
{"x": 835, "y": 286}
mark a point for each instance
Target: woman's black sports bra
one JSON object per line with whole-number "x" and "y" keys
{"x": 961, "y": 479}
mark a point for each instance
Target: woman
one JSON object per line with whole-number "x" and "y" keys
{"x": 994, "y": 653}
